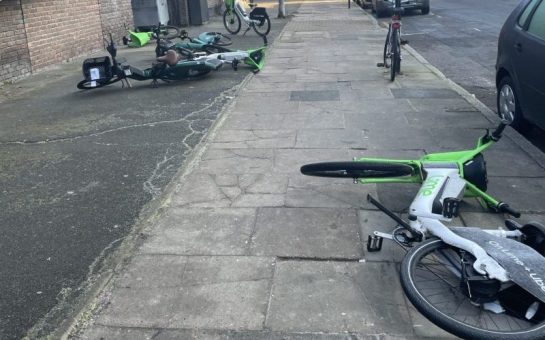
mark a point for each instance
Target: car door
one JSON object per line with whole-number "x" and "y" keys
{"x": 529, "y": 60}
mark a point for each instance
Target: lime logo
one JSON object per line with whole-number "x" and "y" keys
{"x": 429, "y": 185}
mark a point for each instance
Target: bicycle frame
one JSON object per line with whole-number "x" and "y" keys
{"x": 455, "y": 159}
{"x": 443, "y": 185}
{"x": 237, "y": 7}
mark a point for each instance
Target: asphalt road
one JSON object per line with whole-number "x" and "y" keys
{"x": 460, "y": 38}
{"x": 77, "y": 168}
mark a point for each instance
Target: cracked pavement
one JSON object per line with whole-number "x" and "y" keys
{"x": 78, "y": 167}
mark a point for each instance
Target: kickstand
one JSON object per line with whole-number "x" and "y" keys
{"x": 154, "y": 83}
{"x": 126, "y": 80}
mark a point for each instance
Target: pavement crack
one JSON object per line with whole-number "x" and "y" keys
{"x": 317, "y": 259}
{"x": 156, "y": 174}
{"x": 222, "y": 97}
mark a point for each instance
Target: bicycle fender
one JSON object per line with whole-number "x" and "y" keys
{"x": 526, "y": 267}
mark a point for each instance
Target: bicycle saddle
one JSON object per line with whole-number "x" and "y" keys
{"x": 170, "y": 58}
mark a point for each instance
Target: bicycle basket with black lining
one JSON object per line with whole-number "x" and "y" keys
{"x": 259, "y": 13}
{"x": 97, "y": 69}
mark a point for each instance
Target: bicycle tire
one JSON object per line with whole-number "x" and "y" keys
{"x": 265, "y": 23}
{"x": 85, "y": 84}
{"x": 436, "y": 277}
{"x": 222, "y": 42}
{"x": 387, "y": 48}
{"x": 168, "y": 32}
{"x": 394, "y": 55}
{"x": 357, "y": 169}
{"x": 231, "y": 17}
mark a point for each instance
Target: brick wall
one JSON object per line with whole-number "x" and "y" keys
{"x": 115, "y": 15}
{"x": 14, "y": 55}
{"x": 38, "y": 33}
{"x": 58, "y": 30}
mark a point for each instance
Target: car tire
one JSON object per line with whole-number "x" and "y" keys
{"x": 425, "y": 10}
{"x": 507, "y": 102}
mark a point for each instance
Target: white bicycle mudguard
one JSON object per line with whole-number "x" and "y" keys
{"x": 526, "y": 267}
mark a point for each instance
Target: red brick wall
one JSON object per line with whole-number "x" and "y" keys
{"x": 38, "y": 33}
{"x": 14, "y": 56}
{"x": 58, "y": 30}
{"x": 115, "y": 15}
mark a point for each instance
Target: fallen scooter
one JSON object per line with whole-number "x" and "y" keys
{"x": 102, "y": 71}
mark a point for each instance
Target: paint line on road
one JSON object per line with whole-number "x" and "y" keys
{"x": 476, "y": 29}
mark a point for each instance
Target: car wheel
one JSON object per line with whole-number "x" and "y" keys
{"x": 425, "y": 10}
{"x": 508, "y": 105}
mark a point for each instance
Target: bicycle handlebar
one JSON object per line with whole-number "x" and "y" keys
{"x": 505, "y": 208}
{"x": 496, "y": 135}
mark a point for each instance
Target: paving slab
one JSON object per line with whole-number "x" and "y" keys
{"x": 325, "y": 296}
{"x": 202, "y": 232}
{"x": 309, "y": 233}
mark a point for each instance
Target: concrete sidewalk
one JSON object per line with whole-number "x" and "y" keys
{"x": 248, "y": 248}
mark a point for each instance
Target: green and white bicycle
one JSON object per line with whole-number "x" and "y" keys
{"x": 474, "y": 283}
{"x": 258, "y": 19}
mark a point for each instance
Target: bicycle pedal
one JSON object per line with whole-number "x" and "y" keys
{"x": 451, "y": 207}
{"x": 374, "y": 243}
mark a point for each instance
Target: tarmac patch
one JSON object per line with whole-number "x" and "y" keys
{"x": 314, "y": 96}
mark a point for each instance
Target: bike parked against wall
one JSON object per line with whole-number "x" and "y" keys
{"x": 257, "y": 18}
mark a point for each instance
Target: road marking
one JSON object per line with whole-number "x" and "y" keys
{"x": 476, "y": 29}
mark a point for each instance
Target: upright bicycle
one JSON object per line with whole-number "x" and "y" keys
{"x": 474, "y": 283}
{"x": 391, "y": 57}
{"x": 257, "y": 18}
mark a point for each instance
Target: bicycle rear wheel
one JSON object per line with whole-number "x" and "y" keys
{"x": 430, "y": 277}
{"x": 357, "y": 169}
{"x": 263, "y": 28}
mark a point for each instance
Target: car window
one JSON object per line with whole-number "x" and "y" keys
{"x": 537, "y": 23}
{"x": 526, "y": 12}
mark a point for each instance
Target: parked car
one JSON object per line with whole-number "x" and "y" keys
{"x": 520, "y": 66}
{"x": 383, "y": 8}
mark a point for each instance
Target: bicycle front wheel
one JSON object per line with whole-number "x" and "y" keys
{"x": 231, "y": 21}
{"x": 357, "y": 169}
{"x": 89, "y": 85}
{"x": 263, "y": 28}
{"x": 395, "y": 56}
{"x": 430, "y": 277}
{"x": 387, "y": 49}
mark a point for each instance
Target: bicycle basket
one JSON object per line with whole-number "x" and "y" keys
{"x": 97, "y": 69}
{"x": 258, "y": 13}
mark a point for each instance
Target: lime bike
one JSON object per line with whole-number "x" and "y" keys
{"x": 213, "y": 45}
{"x": 472, "y": 282}
{"x": 235, "y": 14}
